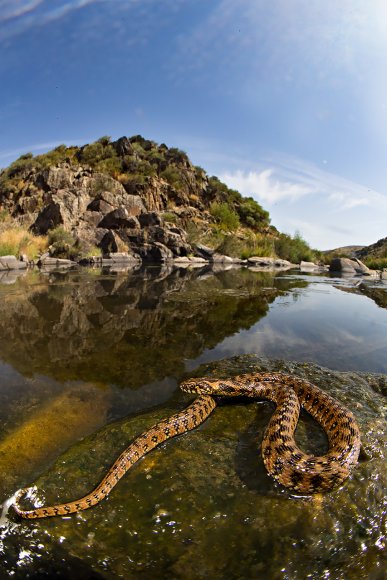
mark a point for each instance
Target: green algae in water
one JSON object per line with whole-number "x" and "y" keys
{"x": 202, "y": 504}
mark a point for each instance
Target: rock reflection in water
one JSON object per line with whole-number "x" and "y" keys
{"x": 129, "y": 329}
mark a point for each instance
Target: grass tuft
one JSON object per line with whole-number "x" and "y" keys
{"x": 16, "y": 240}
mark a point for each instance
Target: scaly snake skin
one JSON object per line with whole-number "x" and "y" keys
{"x": 284, "y": 461}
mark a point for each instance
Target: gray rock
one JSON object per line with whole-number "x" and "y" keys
{"x": 100, "y": 205}
{"x": 266, "y": 261}
{"x": 150, "y": 218}
{"x": 204, "y": 251}
{"x": 11, "y": 263}
{"x": 308, "y": 265}
{"x": 9, "y": 277}
{"x": 119, "y": 218}
{"x": 220, "y": 258}
{"x": 58, "y": 177}
{"x": 123, "y": 146}
{"x": 111, "y": 242}
{"x": 198, "y": 260}
{"x": 50, "y": 262}
{"x": 49, "y": 218}
{"x": 122, "y": 257}
{"x": 362, "y": 268}
{"x": 156, "y": 252}
{"x": 182, "y": 260}
{"x": 347, "y": 266}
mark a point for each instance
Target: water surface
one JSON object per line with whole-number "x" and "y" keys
{"x": 88, "y": 359}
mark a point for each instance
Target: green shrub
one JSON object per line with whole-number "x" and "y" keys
{"x": 176, "y": 155}
{"x": 169, "y": 217}
{"x": 252, "y": 214}
{"x": 105, "y": 140}
{"x": 255, "y": 245}
{"x": 173, "y": 176}
{"x": 4, "y": 216}
{"x": 225, "y": 216}
{"x": 62, "y": 243}
{"x": 99, "y": 151}
{"x": 111, "y": 165}
{"x": 293, "y": 248}
{"x": 376, "y": 263}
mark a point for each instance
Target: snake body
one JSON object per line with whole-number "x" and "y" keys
{"x": 284, "y": 461}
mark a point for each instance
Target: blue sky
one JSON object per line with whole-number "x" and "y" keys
{"x": 285, "y": 100}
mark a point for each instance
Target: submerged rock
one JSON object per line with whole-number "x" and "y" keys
{"x": 202, "y": 505}
{"x": 49, "y": 430}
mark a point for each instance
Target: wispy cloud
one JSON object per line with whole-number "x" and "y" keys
{"x": 16, "y": 8}
{"x": 289, "y": 179}
{"x": 302, "y": 40}
{"x": 18, "y": 16}
{"x": 265, "y": 186}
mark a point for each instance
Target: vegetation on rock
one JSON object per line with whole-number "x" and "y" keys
{"x": 76, "y": 188}
{"x": 375, "y": 255}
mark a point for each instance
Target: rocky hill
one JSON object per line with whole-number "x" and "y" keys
{"x": 136, "y": 196}
{"x": 129, "y": 195}
{"x": 377, "y": 250}
{"x": 349, "y": 251}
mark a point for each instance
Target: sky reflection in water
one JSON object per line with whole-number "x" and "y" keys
{"x": 319, "y": 323}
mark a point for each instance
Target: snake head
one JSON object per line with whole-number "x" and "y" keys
{"x": 200, "y": 386}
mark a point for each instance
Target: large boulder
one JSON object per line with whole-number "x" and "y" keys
{"x": 112, "y": 242}
{"x": 155, "y": 252}
{"x": 55, "y": 178}
{"x": 204, "y": 251}
{"x": 119, "y": 218}
{"x": 100, "y": 205}
{"x": 12, "y": 263}
{"x": 50, "y": 217}
{"x": 150, "y": 218}
{"x": 347, "y": 266}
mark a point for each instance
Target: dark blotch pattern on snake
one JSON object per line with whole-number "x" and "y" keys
{"x": 284, "y": 461}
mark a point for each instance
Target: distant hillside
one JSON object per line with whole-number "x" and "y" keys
{"x": 134, "y": 195}
{"x": 374, "y": 256}
{"x": 377, "y": 250}
{"x": 349, "y": 251}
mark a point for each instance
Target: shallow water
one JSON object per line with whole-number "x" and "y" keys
{"x": 89, "y": 359}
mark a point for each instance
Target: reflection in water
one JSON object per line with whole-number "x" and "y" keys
{"x": 128, "y": 329}
{"x": 317, "y": 323}
{"x": 80, "y": 349}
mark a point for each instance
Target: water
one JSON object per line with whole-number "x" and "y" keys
{"x": 90, "y": 359}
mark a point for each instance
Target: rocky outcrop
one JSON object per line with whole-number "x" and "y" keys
{"x": 99, "y": 211}
{"x": 129, "y": 195}
{"x": 347, "y": 266}
{"x": 376, "y": 250}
